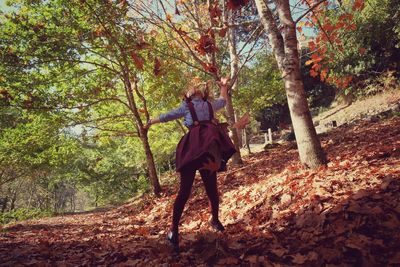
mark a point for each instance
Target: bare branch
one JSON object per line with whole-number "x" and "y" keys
{"x": 311, "y": 9}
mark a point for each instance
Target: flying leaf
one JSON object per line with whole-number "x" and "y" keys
{"x": 243, "y": 121}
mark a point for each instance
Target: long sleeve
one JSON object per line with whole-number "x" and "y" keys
{"x": 218, "y": 103}
{"x": 173, "y": 114}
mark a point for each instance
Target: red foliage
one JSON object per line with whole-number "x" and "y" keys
{"x": 210, "y": 68}
{"x": 206, "y": 44}
{"x": 215, "y": 12}
{"x": 138, "y": 61}
{"x": 157, "y": 67}
{"x": 236, "y": 4}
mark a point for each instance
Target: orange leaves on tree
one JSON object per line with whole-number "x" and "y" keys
{"x": 236, "y": 4}
{"x": 206, "y": 44}
{"x": 215, "y": 12}
{"x": 362, "y": 51}
{"x": 223, "y": 31}
{"x": 138, "y": 61}
{"x": 243, "y": 121}
{"x": 313, "y": 73}
{"x": 324, "y": 74}
{"x": 210, "y": 68}
{"x": 358, "y": 5}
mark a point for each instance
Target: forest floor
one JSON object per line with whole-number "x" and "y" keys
{"x": 276, "y": 213}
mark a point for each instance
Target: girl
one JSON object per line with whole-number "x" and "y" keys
{"x": 203, "y": 148}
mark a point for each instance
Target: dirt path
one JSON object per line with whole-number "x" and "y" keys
{"x": 276, "y": 214}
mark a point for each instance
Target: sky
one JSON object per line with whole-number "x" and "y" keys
{"x": 3, "y": 6}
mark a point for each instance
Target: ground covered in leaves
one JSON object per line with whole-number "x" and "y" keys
{"x": 276, "y": 214}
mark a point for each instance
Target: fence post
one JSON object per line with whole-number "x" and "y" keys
{"x": 270, "y": 135}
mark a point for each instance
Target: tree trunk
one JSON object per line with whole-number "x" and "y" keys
{"x": 143, "y": 135}
{"x": 286, "y": 53}
{"x": 236, "y": 159}
{"x": 4, "y": 204}
{"x": 150, "y": 164}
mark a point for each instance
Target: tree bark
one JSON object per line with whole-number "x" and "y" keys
{"x": 150, "y": 164}
{"x": 286, "y": 53}
{"x": 236, "y": 158}
{"x": 143, "y": 135}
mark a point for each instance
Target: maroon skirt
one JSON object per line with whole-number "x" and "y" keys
{"x": 195, "y": 144}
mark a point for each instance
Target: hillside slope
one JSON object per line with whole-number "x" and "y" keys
{"x": 276, "y": 214}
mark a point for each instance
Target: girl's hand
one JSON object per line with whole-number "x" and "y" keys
{"x": 224, "y": 81}
{"x": 151, "y": 122}
{"x": 148, "y": 124}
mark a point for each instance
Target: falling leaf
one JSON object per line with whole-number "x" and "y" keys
{"x": 138, "y": 61}
{"x": 243, "y": 121}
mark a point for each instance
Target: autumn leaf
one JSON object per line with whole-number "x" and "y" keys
{"x": 157, "y": 67}
{"x": 309, "y": 62}
{"x": 313, "y": 73}
{"x": 138, "y": 61}
{"x": 324, "y": 74}
{"x": 236, "y": 4}
{"x": 223, "y": 31}
{"x": 362, "y": 51}
{"x": 299, "y": 29}
{"x": 243, "y": 121}
{"x": 215, "y": 12}
{"x": 206, "y": 45}
{"x": 358, "y": 5}
{"x": 210, "y": 68}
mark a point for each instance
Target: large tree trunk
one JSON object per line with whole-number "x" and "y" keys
{"x": 236, "y": 159}
{"x": 286, "y": 53}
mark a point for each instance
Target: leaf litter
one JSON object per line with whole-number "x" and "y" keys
{"x": 276, "y": 213}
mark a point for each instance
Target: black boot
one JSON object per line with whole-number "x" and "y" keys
{"x": 173, "y": 238}
{"x": 217, "y": 225}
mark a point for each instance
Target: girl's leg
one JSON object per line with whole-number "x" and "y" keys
{"x": 187, "y": 178}
{"x": 210, "y": 184}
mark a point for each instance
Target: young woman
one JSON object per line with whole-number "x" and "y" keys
{"x": 203, "y": 148}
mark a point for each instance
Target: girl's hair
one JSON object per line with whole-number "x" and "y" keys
{"x": 199, "y": 88}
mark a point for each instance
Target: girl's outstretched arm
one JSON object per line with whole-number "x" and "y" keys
{"x": 169, "y": 116}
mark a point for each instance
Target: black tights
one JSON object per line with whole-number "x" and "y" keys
{"x": 187, "y": 178}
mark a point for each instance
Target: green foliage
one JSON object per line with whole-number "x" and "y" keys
{"x": 23, "y": 214}
{"x": 372, "y": 48}
{"x": 260, "y": 85}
